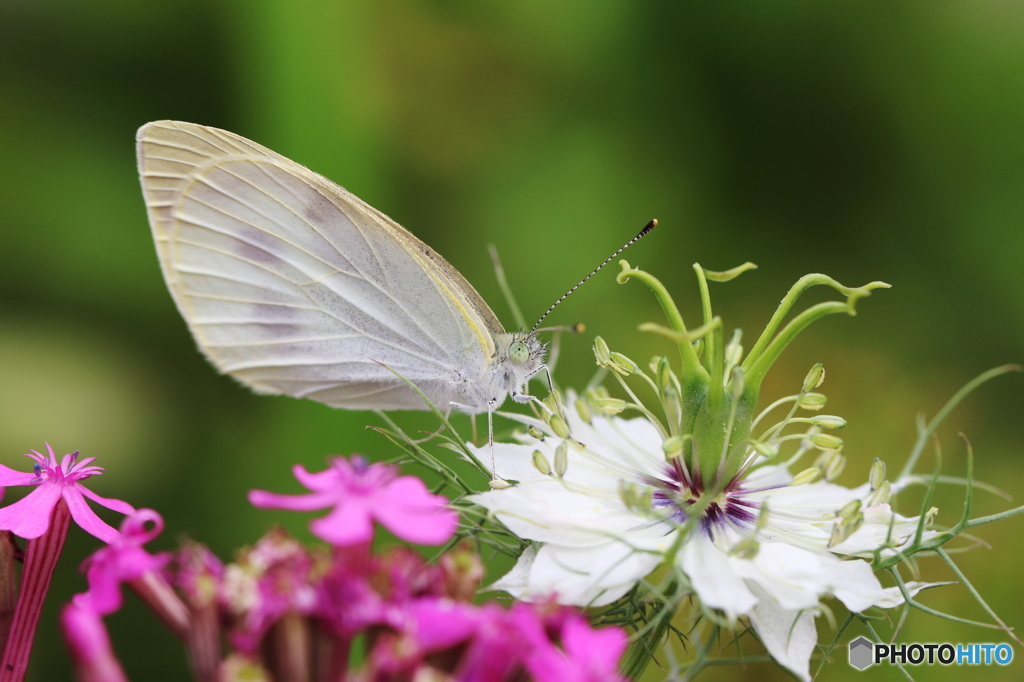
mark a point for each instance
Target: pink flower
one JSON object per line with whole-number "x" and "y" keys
{"x": 270, "y": 580}
{"x": 587, "y": 654}
{"x": 496, "y": 644}
{"x": 123, "y": 560}
{"x": 29, "y": 517}
{"x": 89, "y": 645}
{"x": 360, "y": 494}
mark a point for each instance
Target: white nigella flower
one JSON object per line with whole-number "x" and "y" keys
{"x": 696, "y": 491}
{"x": 759, "y": 548}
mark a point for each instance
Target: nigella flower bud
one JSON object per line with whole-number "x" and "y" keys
{"x": 877, "y": 475}
{"x": 879, "y": 495}
{"x": 828, "y": 421}
{"x": 540, "y": 463}
{"x": 849, "y": 509}
{"x": 672, "y": 405}
{"x": 561, "y": 459}
{"x": 809, "y": 475}
{"x": 601, "y": 352}
{"x": 734, "y": 350}
{"x": 583, "y": 410}
{"x": 622, "y": 364}
{"x": 814, "y": 377}
{"x": 662, "y": 371}
{"x": 737, "y": 383}
{"x": 559, "y": 426}
{"x": 835, "y": 467}
{"x": 826, "y": 441}
{"x": 813, "y": 401}
{"x": 611, "y": 406}
{"x": 847, "y": 526}
{"x": 672, "y": 446}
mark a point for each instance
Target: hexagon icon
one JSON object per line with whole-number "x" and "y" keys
{"x": 862, "y": 653}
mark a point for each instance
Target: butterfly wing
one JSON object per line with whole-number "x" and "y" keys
{"x": 293, "y": 285}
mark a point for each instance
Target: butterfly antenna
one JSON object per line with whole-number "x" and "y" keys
{"x": 640, "y": 235}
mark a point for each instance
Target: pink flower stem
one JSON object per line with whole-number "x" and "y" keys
{"x": 160, "y": 597}
{"x": 41, "y": 556}
{"x": 10, "y": 555}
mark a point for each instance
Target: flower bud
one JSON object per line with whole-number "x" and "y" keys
{"x": 583, "y": 410}
{"x": 826, "y": 441}
{"x": 737, "y": 384}
{"x": 561, "y": 459}
{"x": 540, "y": 463}
{"x": 813, "y": 401}
{"x": 849, "y": 509}
{"x": 662, "y": 371}
{"x": 877, "y": 475}
{"x": 828, "y": 421}
{"x": 559, "y": 426}
{"x": 623, "y": 365}
{"x": 814, "y": 377}
{"x": 672, "y": 446}
{"x": 611, "y": 406}
{"x": 879, "y": 495}
{"x": 835, "y": 467}
{"x": 809, "y": 475}
{"x": 733, "y": 350}
{"x": 672, "y": 406}
{"x": 601, "y": 352}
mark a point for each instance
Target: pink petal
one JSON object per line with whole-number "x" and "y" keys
{"x": 601, "y": 649}
{"x": 119, "y": 506}
{"x": 29, "y": 517}
{"x": 329, "y": 479}
{"x": 86, "y": 518}
{"x": 10, "y": 477}
{"x": 440, "y": 623}
{"x": 347, "y": 524}
{"x": 267, "y": 500}
{"x": 411, "y": 512}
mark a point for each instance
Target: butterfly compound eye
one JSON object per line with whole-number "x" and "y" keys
{"x": 518, "y": 353}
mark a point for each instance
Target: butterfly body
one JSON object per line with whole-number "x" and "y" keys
{"x": 295, "y": 286}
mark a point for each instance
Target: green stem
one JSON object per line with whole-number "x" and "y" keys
{"x": 927, "y": 432}
{"x": 802, "y": 285}
{"x": 691, "y": 367}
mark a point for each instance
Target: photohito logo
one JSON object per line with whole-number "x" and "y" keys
{"x": 864, "y": 653}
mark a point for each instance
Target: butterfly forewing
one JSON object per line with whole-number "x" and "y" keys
{"x": 293, "y": 285}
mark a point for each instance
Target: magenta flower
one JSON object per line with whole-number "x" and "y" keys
{"x": 270, "y": 580}
{"x": 89, "y": 645}
{"x": 361, "y": 493}
{"x": 586, "y": 655}
{"x": 29, "y": 517}
{"x": 123, "y": 560}
{"x": 497, "y": 644}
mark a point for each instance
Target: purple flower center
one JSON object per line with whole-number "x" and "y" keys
{"x": 679, "y": 492}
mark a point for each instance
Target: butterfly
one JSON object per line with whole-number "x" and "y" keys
{"x": 293, "y": 285}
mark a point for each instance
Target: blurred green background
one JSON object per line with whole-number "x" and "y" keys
{"x": 865, "y": 140}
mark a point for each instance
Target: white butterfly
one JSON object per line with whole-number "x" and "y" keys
{"x": 294, "y": 286}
